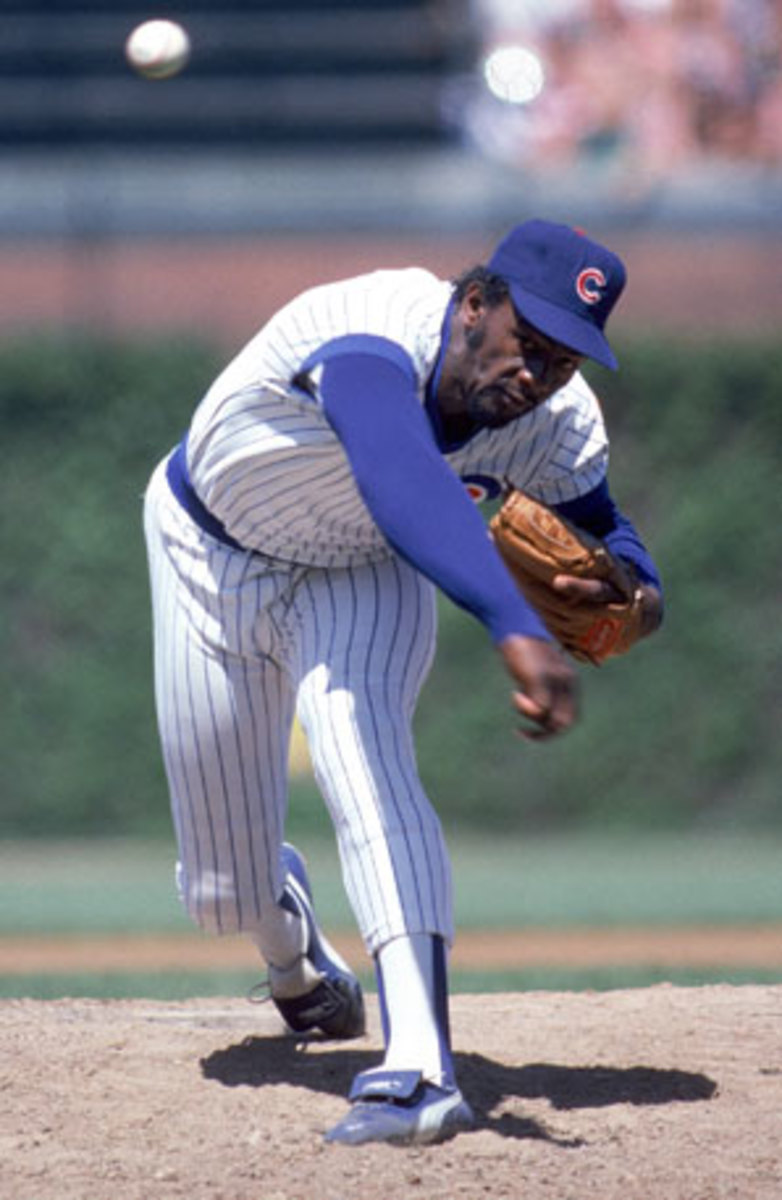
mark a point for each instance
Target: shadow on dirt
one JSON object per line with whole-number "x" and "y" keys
{"x": 262, "y": 1062}
{"x": 490, "y": 1084}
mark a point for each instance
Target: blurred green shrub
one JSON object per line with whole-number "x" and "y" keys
{"x": 84, "y": 423}
{"x": 682, "y": 733}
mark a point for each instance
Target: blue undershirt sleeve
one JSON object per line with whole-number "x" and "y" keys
{"x": 597, "y": 513}
{"x": 413, "y": 495}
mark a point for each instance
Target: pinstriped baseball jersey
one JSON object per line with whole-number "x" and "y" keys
{"x": 266, "y": 463}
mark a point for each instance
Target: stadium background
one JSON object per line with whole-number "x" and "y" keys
{"x": 146, "y": 229}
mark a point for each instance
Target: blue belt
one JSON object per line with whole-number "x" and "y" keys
{"x": 179, "y": 481}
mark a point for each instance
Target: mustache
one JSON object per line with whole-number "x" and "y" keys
{"x": 520, "y": 401}
{"x": 495, "y": 405}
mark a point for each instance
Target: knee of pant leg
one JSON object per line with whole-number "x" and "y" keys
{"x": 210, "y": 900}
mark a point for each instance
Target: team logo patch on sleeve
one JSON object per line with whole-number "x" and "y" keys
{"x": 482, "y": 487}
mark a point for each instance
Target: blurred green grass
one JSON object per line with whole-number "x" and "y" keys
{"x": 184, "y": 985}
{"x": 125, "y": 887}
{"x": 558, "y": 880}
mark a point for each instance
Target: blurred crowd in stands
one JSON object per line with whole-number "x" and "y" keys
{"x": 654, "y": 85}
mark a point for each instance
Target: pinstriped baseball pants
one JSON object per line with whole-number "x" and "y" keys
{"x": 241, "y": 645}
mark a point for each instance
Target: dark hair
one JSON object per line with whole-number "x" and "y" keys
{"x": 494, "y": 287}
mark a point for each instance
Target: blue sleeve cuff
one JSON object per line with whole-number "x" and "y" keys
{"x": 597, "y": 513}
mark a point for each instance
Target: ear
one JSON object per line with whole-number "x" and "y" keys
{"x": 473, "y": 306}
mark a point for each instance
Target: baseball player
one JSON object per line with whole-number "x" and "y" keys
{"x": 296, "y": 536}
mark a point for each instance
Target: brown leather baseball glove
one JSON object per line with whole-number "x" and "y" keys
{"x": 537, "y": 545}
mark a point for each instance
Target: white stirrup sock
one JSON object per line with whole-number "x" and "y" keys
{"x": 412, "y": 987}
{"x": 282, "y": 941}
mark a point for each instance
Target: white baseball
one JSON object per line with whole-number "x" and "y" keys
{"x": 158, "y": 49}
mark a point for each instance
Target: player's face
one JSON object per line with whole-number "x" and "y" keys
{"x": 502, "y": 367}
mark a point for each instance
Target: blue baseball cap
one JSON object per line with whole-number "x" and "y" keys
{"x": 563, "y": 283}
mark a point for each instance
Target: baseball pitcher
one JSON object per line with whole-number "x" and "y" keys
{"x": 324, "y": 489}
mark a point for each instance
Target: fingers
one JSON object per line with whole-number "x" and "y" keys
{"x": 547, "y": 694}
{"x": 550, "y": 716}
{"x": 591, "y": 591}
{"x": 652, "y": 609}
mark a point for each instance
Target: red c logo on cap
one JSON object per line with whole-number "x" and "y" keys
{"x": 589, "y": 285}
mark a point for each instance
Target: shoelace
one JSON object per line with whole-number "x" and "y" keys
{"x": 261, "y": 992}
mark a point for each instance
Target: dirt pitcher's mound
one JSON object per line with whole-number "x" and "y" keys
{"x": 663, "y": 1092}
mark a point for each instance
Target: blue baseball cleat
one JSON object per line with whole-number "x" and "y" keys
{"x": 335, "y": 1004}
{"x": 401, "y": 1108}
